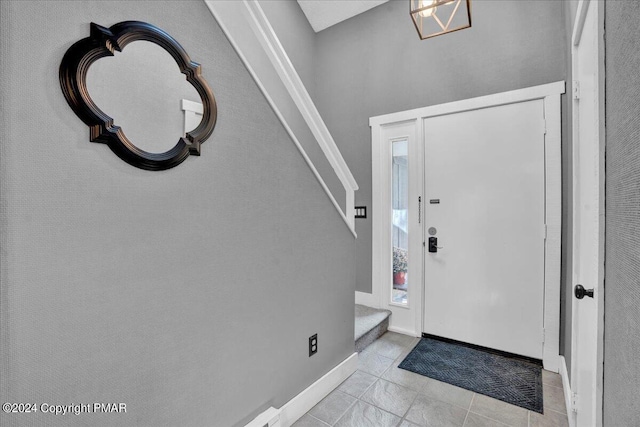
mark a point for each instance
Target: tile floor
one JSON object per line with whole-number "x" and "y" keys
{"x": 379, "y": 394}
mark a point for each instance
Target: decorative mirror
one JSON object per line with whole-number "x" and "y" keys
{"x": 103, "y": 42}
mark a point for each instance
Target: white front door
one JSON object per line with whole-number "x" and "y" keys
{"x": 485, "y": 204}
{"x": 586, "y": 372}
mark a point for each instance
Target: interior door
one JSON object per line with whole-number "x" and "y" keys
{"x": 484, "y": 203}
{"x": 585, "y": 370}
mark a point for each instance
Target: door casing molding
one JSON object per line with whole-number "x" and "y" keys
{"x": 550, "y": 94}
{"x": 597, "y": 196}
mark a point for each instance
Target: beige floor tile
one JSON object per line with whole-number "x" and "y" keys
{"x": 364, "y": 415}
{"x": 548, "y": 419}
{"x": 431, "y": 413}
{"x": 553, "y": 398}
{"x": 403, "y": 340}
{"x": 500, "y": 411}
{"x": 373, "y": 363}
{"x": 387, "y": 348}
{"x": 405, "y": 378}
{"x": 332, "y": 407}
{"x": 475, "y": 420}
{"x": 309, "y": 421}
{"x": 551, "y": 378}
{"x": 390, "y": 397}
{"x": 448, "y": 393}
{"x": 357, "y": 383}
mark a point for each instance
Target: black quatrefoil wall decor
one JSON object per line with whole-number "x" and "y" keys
{"x": 103, "y": 42}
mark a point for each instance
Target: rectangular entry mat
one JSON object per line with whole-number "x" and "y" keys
{"x": 510, "y": 379}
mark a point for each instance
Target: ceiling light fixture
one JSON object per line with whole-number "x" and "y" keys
{"x": 436, "y": 17}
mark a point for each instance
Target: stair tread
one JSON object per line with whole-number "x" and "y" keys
{"x": 368, "y": 318}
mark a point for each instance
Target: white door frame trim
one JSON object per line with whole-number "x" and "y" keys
{"x": 405, "y": 319}
{"x": 599, "y": 195}
{"x": 550, "y": 94}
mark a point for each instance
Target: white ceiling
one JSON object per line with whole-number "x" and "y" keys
{"x": 325, "y": 13}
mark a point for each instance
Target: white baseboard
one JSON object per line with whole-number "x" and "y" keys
{"x": 364, "y": 298}
{"x": 404, "y": 331}
{"x": 269, "y": 418}
{"x": 308, "y": 398}
{"x": 566, "y": 386}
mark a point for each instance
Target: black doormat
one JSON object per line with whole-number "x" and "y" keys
{"x": 509, "y": 379}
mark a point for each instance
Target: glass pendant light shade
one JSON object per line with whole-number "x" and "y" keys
{"x": 436, "y": 17}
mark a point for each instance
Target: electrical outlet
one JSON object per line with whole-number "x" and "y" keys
{"x": 313, "y": 344}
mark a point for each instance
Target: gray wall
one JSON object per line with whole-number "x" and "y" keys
{"x": 622, "y": 242}
{"x": 188, "y": 294}
{"x": 375, "y": 64}
{"x": 296, "y": 35}
{"x": 572, "y": 6}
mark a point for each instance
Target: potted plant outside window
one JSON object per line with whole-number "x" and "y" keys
{"x": 399, "y": 265}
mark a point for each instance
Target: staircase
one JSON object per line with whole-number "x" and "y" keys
{"x": 371, "y": 323}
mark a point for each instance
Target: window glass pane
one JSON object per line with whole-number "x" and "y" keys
{"x": 399, "y": 221}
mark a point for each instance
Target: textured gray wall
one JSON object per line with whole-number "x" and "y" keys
{"x": 296, "y": 35}
{"x": 188, "y": 294}
{"x": 622, "y": 242}
{"x": 375, "y": 64}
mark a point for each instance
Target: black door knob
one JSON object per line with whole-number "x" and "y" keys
{"x": 581, "y": 292}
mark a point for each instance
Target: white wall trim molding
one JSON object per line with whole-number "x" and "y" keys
{"x": 192, "y": 106}
{"x": 192, "y": 114}
{"x": 550, "y": 94}
{"x": 553, "y": 221}
{"x": 403, "y": 331}
{"x": 269, "y": 418}
{"x": 309, "y": 397}
{"x": 253, "y": 47}
{"x": 566, "y": 387}
{"x": 581, "y": 16}
{"x": 518, "y": 95}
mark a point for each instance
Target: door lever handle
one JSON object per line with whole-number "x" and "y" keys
{"x": 580, "y": 292}
{"x": 433, "y": 244}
